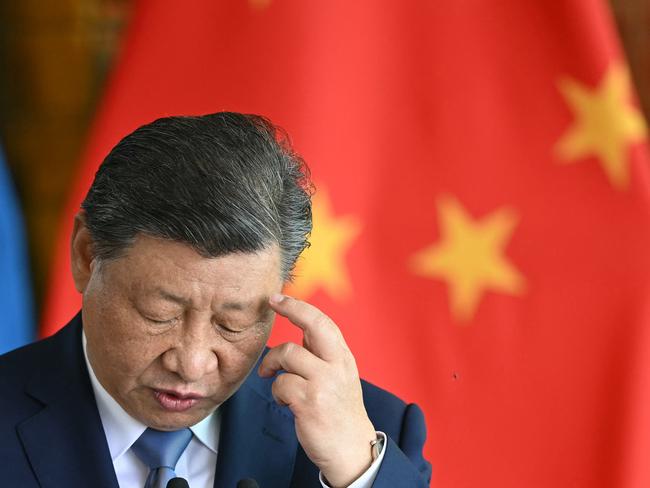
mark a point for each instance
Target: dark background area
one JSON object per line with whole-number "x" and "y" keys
{"x": 54, "y": 59}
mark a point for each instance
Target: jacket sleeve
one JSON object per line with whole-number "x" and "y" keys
{"x": 404, "y": 464}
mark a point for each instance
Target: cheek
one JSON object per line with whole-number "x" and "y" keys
{"x": 244, "y": 353}
{"x": 118, "y": 344}
{"x": 132, "y": 355}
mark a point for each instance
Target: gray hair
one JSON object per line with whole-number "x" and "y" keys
{"x": 222, "y": 183}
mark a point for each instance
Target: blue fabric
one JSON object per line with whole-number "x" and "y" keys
{"x": 160, "y": 451}
{"x": 17, "y": 326}
{"x": 52, "y": 435}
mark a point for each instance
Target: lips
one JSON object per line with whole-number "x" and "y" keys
{"x": 173, "y": 401}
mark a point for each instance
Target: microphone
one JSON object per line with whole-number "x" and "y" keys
{"x": 178, "y": 483}
{"x": 247, "y": 483}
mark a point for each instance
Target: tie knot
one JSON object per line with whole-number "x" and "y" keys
{"x": 157, "y": 448}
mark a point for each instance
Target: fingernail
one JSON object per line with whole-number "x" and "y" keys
{"x": 277, "y": 298}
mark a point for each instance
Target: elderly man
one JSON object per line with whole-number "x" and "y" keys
{"x": 180, "y": 251}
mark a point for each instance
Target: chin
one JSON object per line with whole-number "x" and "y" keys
{"x": 156, "y": 417}
{"x": 172, "y": 421}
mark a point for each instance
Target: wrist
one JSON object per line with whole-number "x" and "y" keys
{"x": 357, "y": 461}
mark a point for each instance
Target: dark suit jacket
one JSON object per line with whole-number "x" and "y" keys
{"x": 51, "y": 434}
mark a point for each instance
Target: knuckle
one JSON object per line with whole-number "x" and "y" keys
{"x": 322, "y": 321}
{"x": 279, "y": 389}
{"x": 279, "y": 383}
{"x": 274, "y": 387}
{"x": 288, "y": 350}
{"x": 318, "y": 398}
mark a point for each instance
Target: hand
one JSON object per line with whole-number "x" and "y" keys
{"x": 321, "y": 387}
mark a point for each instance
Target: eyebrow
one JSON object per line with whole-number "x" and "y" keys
{"x": 171, "y": 297}
{"x": 237, "y": 306}
{"x": 262, "y": 313}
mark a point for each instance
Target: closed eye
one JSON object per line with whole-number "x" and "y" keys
{"x": 161, "y": 321}
{"x": 229, "y": 330}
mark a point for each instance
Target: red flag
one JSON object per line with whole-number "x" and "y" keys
{"x": 481, "y": 222}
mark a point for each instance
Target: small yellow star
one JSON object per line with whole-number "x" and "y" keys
{"x": 470, "y": 257}
{"x": 605, "y": 125}
{"x": 323, "y": 265}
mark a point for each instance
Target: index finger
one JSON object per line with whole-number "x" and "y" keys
{"x": 321, "y": 335}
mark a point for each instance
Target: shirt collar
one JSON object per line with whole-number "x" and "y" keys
{"x": 122, "y": 430}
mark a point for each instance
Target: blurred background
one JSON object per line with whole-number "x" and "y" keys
{"x": 483, "y": 195}
{"x": 54, "y": 60}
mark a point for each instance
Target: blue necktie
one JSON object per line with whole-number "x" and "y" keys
{"x": 161, "y": 451}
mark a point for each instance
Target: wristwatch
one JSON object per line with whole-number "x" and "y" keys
{"x": 376, "y": 447}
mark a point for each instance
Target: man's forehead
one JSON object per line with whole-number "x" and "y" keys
{"x": 175, "y": 272}
{"x": 147, "y": 247}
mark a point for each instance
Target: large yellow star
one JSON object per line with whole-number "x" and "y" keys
{"x": 470, "y": 257}
{"x": 323, "y": 265}
{"x": 605, "y": 125}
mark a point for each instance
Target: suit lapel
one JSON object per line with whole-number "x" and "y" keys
{"x": 257, "y": 438}
{"x": 65, "y": 441}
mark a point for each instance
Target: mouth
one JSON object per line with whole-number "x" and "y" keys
{"x": 174, "y": 401}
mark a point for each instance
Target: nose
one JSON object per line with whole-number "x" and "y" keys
{"x": 193, "y": 356}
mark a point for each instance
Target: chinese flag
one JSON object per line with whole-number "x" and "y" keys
{"x": 481, "y": 221}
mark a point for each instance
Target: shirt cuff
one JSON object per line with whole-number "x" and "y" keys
{"x": 368, "y": 477}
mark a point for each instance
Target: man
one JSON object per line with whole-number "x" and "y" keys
{"x": 180, "y": 251}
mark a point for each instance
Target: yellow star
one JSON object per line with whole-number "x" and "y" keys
{"x": 605, "y": 125}
{"x": 323, "y": 265}
{"x": 470, "y": 257}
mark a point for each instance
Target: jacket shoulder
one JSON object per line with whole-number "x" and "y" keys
{"x": 19, "y": 365}
{"x": 47, "y": 364}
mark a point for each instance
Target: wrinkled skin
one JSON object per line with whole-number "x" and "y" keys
{"x": 164, "y": 318}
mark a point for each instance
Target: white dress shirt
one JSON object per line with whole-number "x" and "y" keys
{"x": 122, "y": 431}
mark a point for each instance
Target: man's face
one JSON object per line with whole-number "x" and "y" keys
{"x": 172, "y": 334}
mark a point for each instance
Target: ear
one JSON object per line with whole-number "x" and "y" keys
{"x": 81, "y": 253}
